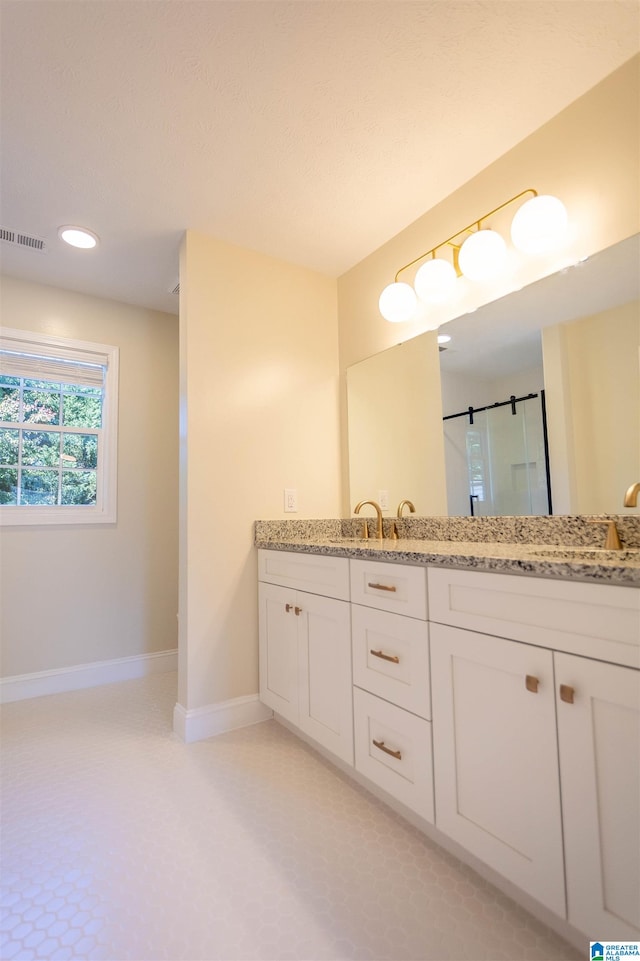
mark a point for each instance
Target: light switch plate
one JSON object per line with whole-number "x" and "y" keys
{"x": 383, "y": 500}
{"x": 290, "y": 500}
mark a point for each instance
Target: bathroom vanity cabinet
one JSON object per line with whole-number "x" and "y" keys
{"x": 520, "y": 726}
{"x": 305, "y": 645}
{"x": 504, "y": 709}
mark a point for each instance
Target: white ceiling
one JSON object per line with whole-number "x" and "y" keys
{"x": 311, "y": 131}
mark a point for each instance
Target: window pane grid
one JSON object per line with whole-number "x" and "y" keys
{"x": 41, "y": 477}
{"x": 61, "y": 436}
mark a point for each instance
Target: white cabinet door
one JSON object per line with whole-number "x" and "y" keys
{"x": 305, "y": 664}
{"x": 278, "y": 634}
{"x": 496, "y": 758}
{"x": 324, "y": 677}
{"x": 599, "y": 736}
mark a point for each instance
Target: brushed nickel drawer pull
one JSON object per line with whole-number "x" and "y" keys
{"x": 382, "y": 587}
{"x": 531, "y": 683}
{"x": 386, "y": 657}
{"x": 387, "y": 750}
{"x": 566, "y": 693}
{"x": 297, "y": 610}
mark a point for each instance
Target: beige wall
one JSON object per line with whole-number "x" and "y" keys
{"x": 259, "y": 399}
{"x": 72, "y": 595}
{"x": 592, "y": 374}
{"x": 588, "y": 155}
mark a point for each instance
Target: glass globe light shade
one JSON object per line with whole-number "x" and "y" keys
{"x": 398, "y": 303}
{"x": 483, "y": 255}
{"x": 539, "y": 225}
{"x": 435, "y": 281}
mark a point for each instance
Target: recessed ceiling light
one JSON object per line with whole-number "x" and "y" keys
{"x": 443, "y": 338}
{"x": 78, "y": 236}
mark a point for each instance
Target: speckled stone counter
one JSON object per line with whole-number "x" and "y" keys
{"x": 557, "y": 547}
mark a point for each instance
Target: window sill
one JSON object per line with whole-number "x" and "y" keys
{"x": 54, "y": 516}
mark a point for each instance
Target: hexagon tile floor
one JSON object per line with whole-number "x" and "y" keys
{"x": 120, "y": 842}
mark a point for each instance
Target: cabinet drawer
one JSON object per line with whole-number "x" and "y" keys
{"x": 393, "y": 749}
{"x": 390, "y": 587}
{"x": 315, "y": 573}
{"x": 601, "y": 621}
{"x": 391, "y": 658}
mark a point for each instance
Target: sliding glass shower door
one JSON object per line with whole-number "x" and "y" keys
{"x": 496, "y": 459}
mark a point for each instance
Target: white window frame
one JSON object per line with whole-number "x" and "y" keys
{"x": 105, "y": 509}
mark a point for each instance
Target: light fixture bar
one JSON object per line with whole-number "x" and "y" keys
{"x": 538, "y": 227}
{"x": 474, "y": 223}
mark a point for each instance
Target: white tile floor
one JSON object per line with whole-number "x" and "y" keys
{"x": 120, "y": 842}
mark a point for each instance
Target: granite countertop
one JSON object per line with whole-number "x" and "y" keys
{"x": 580, "y": 563}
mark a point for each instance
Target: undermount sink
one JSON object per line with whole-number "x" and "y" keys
{"x": 586, "y": 553}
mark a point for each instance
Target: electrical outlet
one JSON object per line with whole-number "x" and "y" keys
{"x": 290, "y": 500}
{"x": 383, "y": 500}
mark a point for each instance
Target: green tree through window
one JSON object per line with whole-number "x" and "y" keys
{"x": 51, "y": 466}
{"x": 58, "y": 429}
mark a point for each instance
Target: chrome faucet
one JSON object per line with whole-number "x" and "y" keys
{"x": 631, "y": 497}
{"x": 409, "y": 505}
{"x": 356, "y": 510}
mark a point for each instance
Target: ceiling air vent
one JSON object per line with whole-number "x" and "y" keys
{"x": 18, "y": 239}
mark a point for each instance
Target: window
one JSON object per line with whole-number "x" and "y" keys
{"x": 58, "y": 430}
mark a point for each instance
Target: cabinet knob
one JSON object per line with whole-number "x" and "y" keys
{"x": 297, "y": 611}
{"x": 288, "y": 607}
{"x": 387, "y": 750}
{"x": 531, "y": 683}
{"x": 566, "y": 693}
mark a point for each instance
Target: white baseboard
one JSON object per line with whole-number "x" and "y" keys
{"x": 203, "y": 722}
{"x": 22, "y": 686}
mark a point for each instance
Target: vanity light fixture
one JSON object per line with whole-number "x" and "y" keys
{"x": 78, "y": 236}
{"x": 538, "y": 227}
{"x": 435, "y": 281}
{"x": 398, "y": 302}
{"x": 443, "y": 338}
{"x": 483, "y": 254}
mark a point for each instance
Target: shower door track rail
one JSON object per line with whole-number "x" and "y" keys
{"x": 513, "y": 400}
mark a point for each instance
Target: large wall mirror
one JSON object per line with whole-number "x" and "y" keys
{"x": 552, "y": 374}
